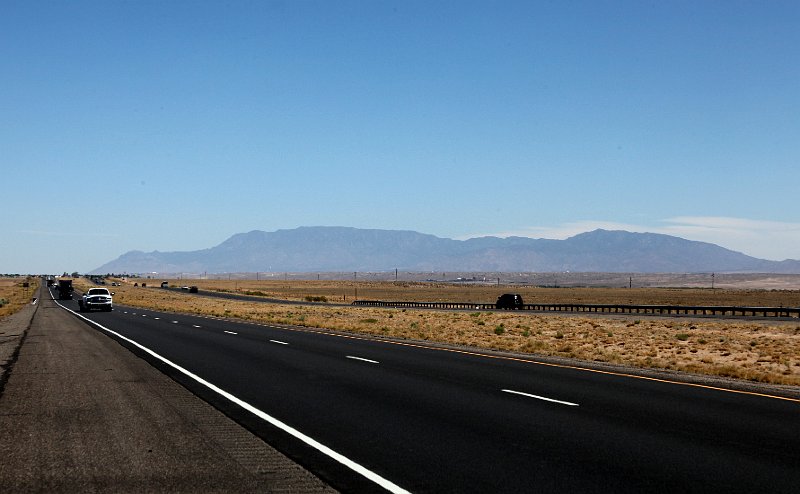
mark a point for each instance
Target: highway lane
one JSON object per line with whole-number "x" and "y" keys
{"x": 431, "y": 420}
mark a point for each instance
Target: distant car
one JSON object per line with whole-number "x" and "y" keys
{"x": 184, "y": 288}
{"x": 192, "y": 289}
{"x": 164, "y": 284}
{"x": 509, "y": 301}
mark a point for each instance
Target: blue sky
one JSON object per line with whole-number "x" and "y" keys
{"x": 171, "y": 125}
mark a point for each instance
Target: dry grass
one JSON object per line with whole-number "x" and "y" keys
{"x": 13, "y": 296}
{"x": 757, "y": 351}
{"x": 339, "y": 291}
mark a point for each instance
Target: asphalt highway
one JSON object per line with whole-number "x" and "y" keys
{"x": 373, "y": 415}
{"x": 80, "y": 413}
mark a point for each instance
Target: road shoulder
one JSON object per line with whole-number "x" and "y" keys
{"x": 80, "y": 413}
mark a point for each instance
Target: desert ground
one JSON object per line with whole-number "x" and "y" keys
{"x": 13, "y": 295}
{"x": 753, "y": 350}
{"x": 347, "y": 291}
{"x": 757, "y": 281}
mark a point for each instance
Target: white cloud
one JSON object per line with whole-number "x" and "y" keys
{"x": 765, "y": 239}
{"x": 772, "y": 240}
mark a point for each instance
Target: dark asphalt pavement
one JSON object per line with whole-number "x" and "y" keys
{"x": 79, "y": 413}
{"x": 446, "y": 420}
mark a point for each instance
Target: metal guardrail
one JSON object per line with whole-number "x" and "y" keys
{"x": 729, "y": 311}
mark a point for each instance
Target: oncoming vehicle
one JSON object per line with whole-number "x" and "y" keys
{"x": 165, "y": 284}
{"x": 96, "y": 298}
{"x": 509, "y": 301}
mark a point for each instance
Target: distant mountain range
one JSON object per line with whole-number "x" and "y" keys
{"x": 338, "y": 249}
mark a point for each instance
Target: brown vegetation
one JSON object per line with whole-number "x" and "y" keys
{"x": 14, "y": 296}
{"x": 347, "y": 291}
{"x": 752, "y": 350}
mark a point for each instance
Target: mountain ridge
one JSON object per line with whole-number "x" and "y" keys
{"x": 338, "y": 249}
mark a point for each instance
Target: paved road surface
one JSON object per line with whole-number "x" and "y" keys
{"x": 440, "y": 420}
{"x": 79, "y": 413}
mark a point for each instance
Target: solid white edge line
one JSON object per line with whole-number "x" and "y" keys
{"x": 386, "y": 484}
{"x": 278, "y": 342}
{"x": 363, "y": 359}
{"x": 544, "y": 398}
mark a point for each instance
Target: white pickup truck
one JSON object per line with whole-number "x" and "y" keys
{"x": 96, "y": 298}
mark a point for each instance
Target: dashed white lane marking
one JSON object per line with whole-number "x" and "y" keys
{"x": 356, "y": 467}
{"x": 156, "y": 318}
{"x": 230, "y": 332}
{"x": 195, "y": 326}
{"x": 363, "y": 359}
{"x": 540, "y": 397}
{"x": 278, "y": 342}
{"x": 174, "y": 322}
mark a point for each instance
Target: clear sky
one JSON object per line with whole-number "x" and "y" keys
{"x": 172, "y": 125}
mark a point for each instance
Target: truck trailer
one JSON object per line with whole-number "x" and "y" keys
{"x": 65, "y": 289}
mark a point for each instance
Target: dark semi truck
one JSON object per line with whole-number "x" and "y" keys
{"x": 65, "y": 289}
